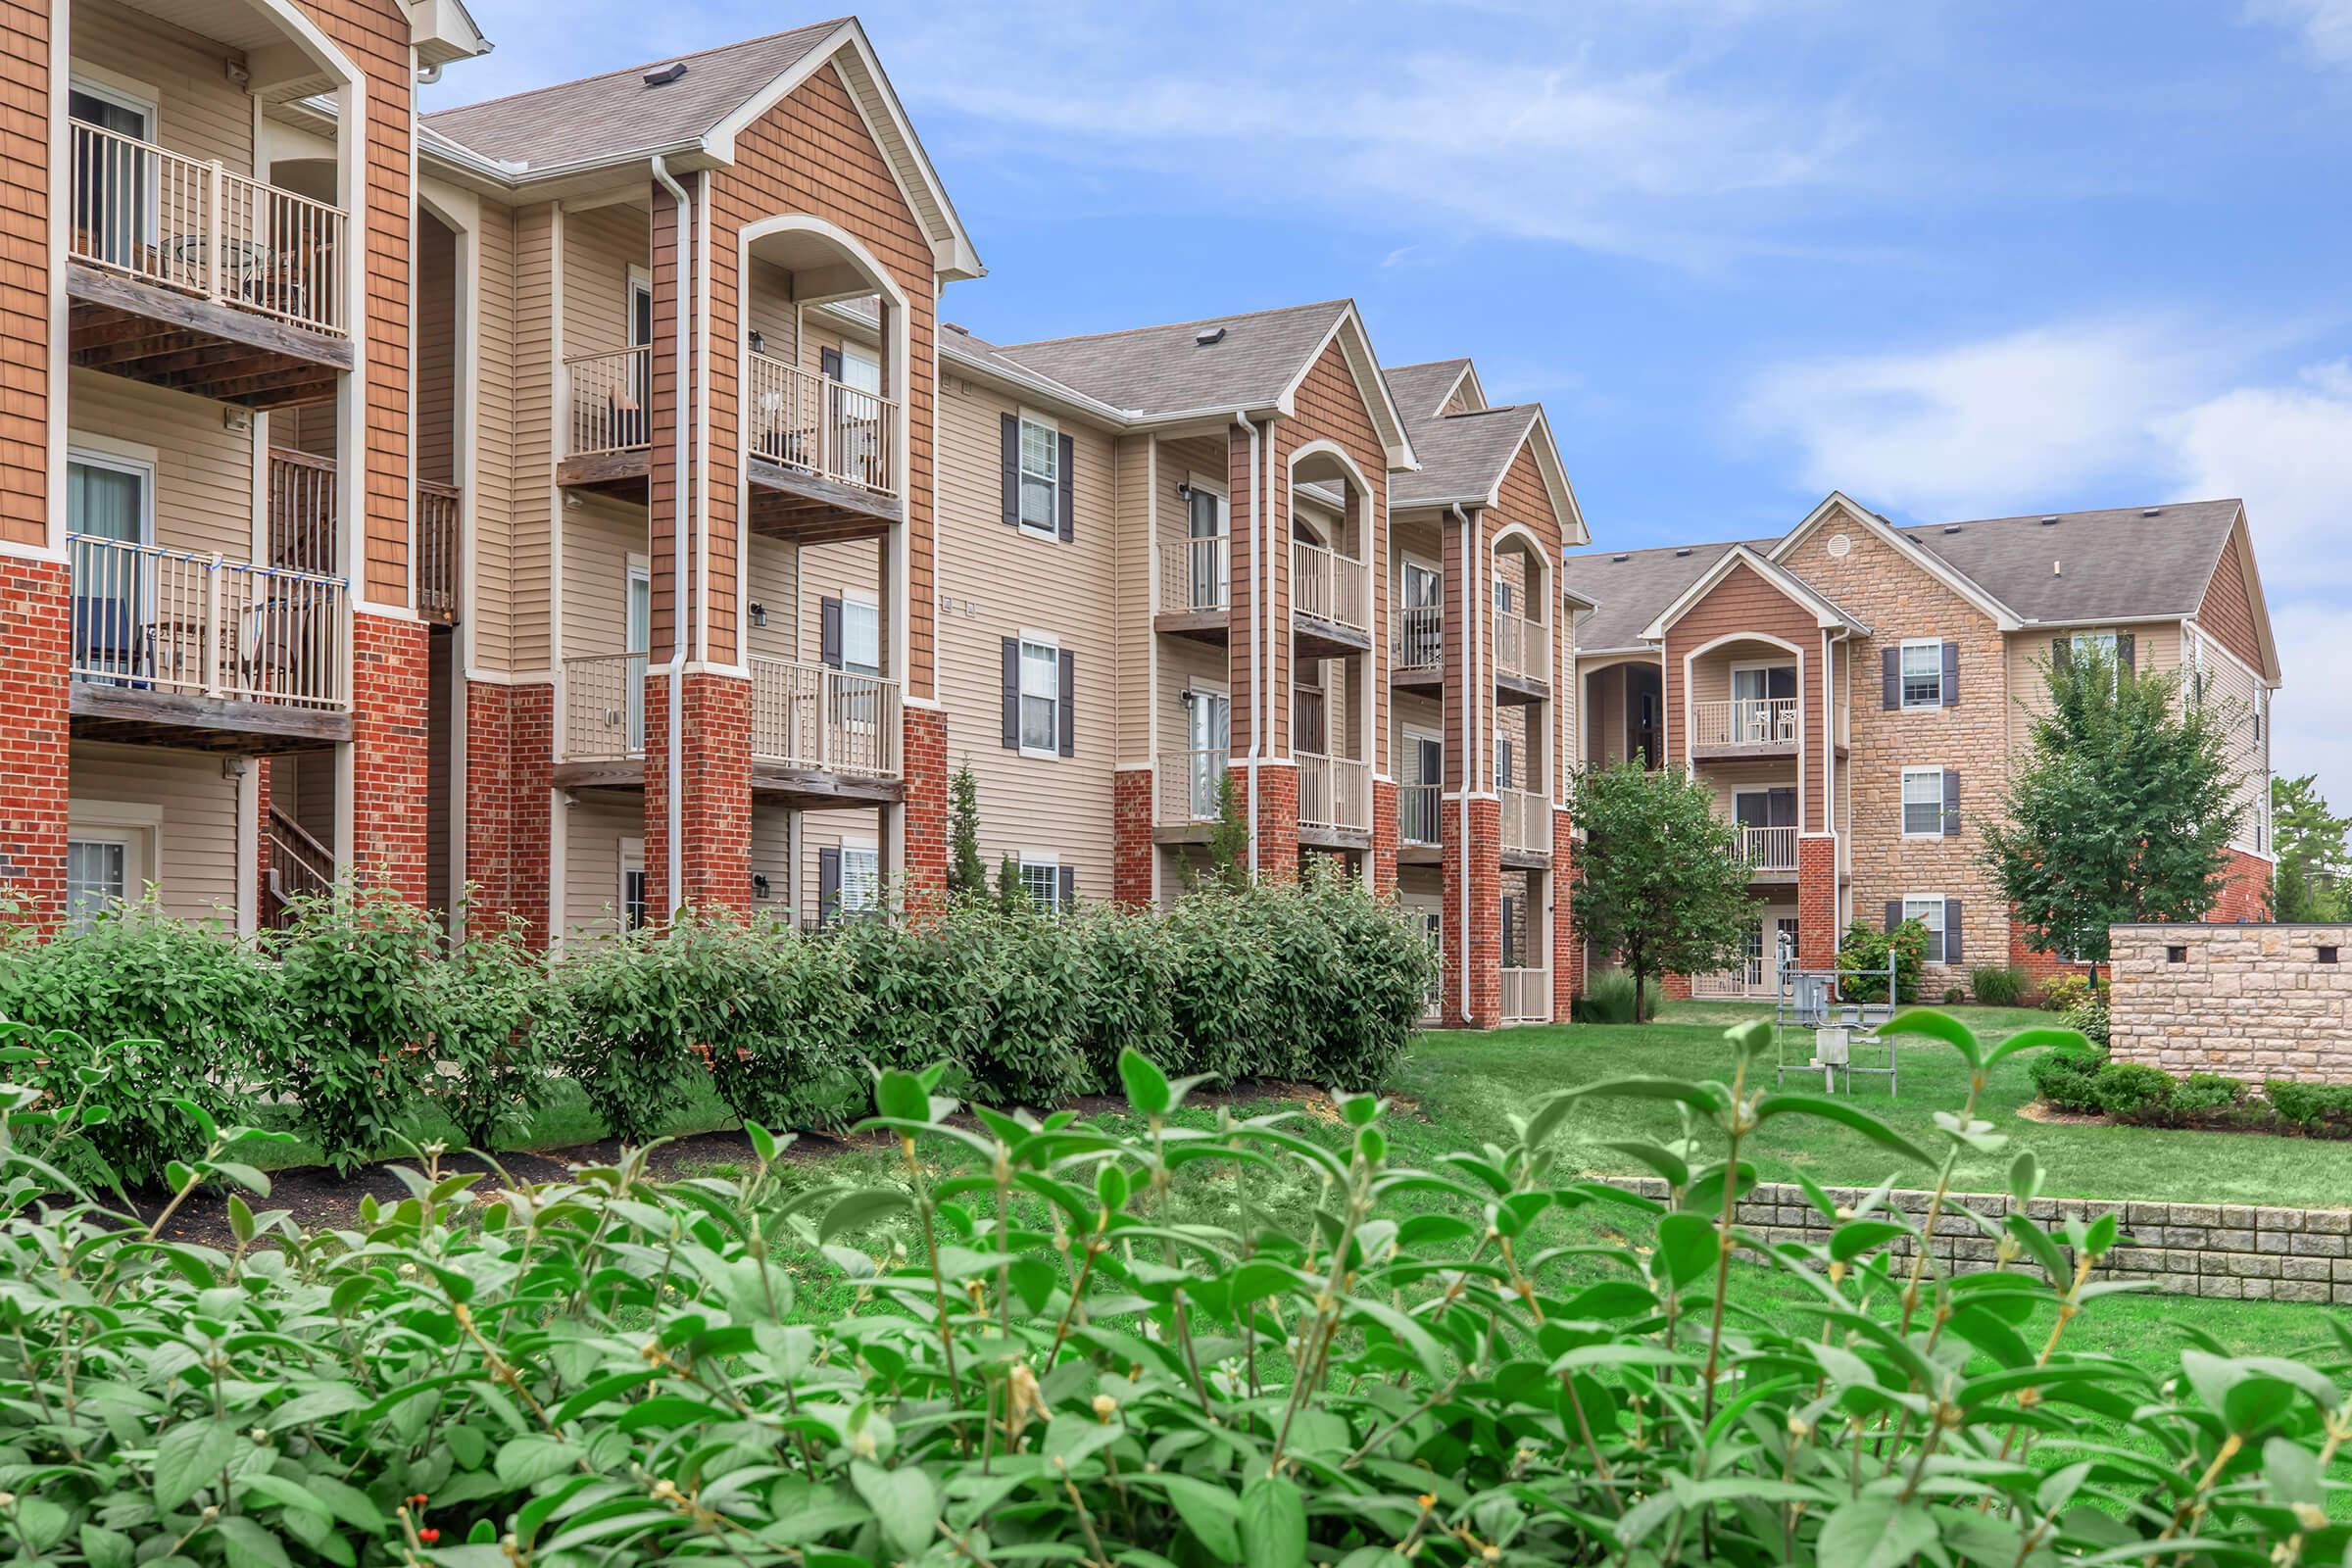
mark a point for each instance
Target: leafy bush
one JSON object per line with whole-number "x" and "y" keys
{"x": 499, "y": 1028}
{"x": 2132, "y": 1090}
{"x": 657, "y": 1010}
{"x": 2061, "y": 991}
{"x": 2207, "y": 1095}
{"x": 1609, "y": 999}
{"x": 2311, "y": 1107}
{"x": 2065, "y": 1076}
{"x": 1000, "y": 1364}
{"x": 1998, "y": 985}
{"x": 2089, "y": 1017}
{"x": 1953, "y": 996}
{"x": 1862, "y": 961}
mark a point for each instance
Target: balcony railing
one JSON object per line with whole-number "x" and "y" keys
{"x": 1768, "y": 849}
{"x": 604, "y": 708}
{"x": 302, "y": 510}
{"x": 1745, "y": 721}
{"x": 1527, "y": 996}
{"x": 610, "y": 396}
{"x": 810, "y": 422}
{"x": 1421, "y": 637}
{"x": 1189, "y": 788}
{"x": 1331, "y": 588}
{"x": 300, "y": 866}
{"x": 1526, "y": 823}
{"x": 815, "y": 716}
{"x": 1193, "y": 574}
{"x": 1522, "y": 647}
{"x": 1418, "y": 819}
{"x": 194, "y": 227}
{"x": 1335, "y": 792}
{"x": 439, "y": 507}
{"x": 167, "y": 620}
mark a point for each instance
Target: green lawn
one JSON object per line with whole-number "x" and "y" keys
{"x": 1473, "y": 1079}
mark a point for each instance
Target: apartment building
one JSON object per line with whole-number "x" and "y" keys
{"x": 1857, "y": 693}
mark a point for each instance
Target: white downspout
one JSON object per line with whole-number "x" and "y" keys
{"x": 1461, "y": 802}
{"x": 680, "y": 598}
{"x": 1257, "y": 616}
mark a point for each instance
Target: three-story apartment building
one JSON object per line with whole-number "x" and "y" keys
{"x": 1857, "y": 693}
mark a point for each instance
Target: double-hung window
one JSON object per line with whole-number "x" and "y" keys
{"x": 1041, "y": 477}
{"x": 1929, "y": 913}
{"x": 1923, "y": 674}
{"x": 1922, "y": 802}
{"x": 1040, "y": 698}
{"x": 1041, "y": 881}
{"x": 100, "y": 870}
{"x": 860, "y": 636}
{"x": 860, "y": 878}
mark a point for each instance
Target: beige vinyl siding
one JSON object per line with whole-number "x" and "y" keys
{"x": 1136, "y": 459}
{"x": 592, "y": 827}
{"x": 768, "y": 309}
{"x": 1422, "y": 716}
{"x": 827, "y": 830}
{"x": 849, "y": 569}
{"x": 491, "y": 610}
{"x": 772, "y": 858}
{"x": 1186, "y": 664}
{"x": 599, "y": 246}
{"x": 997, "y": 582}
{"x": 192, "y": 855}
{"x": 774, "y": 583}
{"x": 302, "y": 785}
{"x": 531, "y": 498}
{"x": 200, "y": 111}
{"x": 599, "y": 538}
{"x": 2231, "y": 686}
{"x": 203, "y": 473}
{"x": 2155, "y": 649}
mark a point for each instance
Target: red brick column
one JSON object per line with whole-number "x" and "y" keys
{"x": 1277, "y": 819}
{"x": 926, "y": 763}
{"x": 1567, "y": 954}
{"x": 1384, "y": 837}
{"x": 35, "y": 621}
{"x": 1477, "y": 857}
{"x": 2246, "y": 890}
{"x": 388, "y": 689}
{"x": 260, "y": 841}
{"x": 715, "y": 773}
{"x": 1817, "y": 933}
{"x": 1130, "y": 848}
{"x": 509, "y": 762}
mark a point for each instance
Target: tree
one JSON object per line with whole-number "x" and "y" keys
{"x": 2310, "y": 841}
{"x": 1011, "y": 897}
{"x": 2122, "y": 812}
{"x": 1657, "y": 882}
{"x": 968, "y": 874}
{"x": 1229, "y": 844}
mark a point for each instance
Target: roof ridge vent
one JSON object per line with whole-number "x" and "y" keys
{"x": 1684, "y": 551}
{"x": 1620, "y": 555}
{"x": 1951, "y": 527}
{"x": 1207, "y": 336}
{"x": 2049, "y": 522}
{"x": 2150, "y": 511}
{"x": 663, "y": 75}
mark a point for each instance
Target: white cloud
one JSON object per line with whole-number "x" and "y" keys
{"x": 2289, "y": 450}
{"x": 2326, "y": 25}
{"x": 2311, "y": 730}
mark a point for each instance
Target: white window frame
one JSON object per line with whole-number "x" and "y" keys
{"x": 1904, "y": 803}
{"x": 1903, "y": 677}
{"x": 137, "y": 825}
{"x": 631, "y": 858}
{"x": 1050, "y": 528}
{"x": 863, "y": 355}
{"x": 871, "y": 607}
{"x": 122, "y": 456}
{"x": 868, "y": 883}
{"x": 1935, "y": 932}
{"x": 1052, "y": 750}
{"x": 640, "y": 280}
{"x": 1049, "y": 863}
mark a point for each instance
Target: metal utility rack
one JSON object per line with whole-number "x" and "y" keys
{"x": 1809, "y": 1006}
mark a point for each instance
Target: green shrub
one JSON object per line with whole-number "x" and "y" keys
{"x": 2132, "y": 1090}
{"x": 781, "y": 1061}
{"x": 1609, "y": 999}
{"x": 1953, "y": 996}
{"x": 2207, "y": 1093}
{"x": 2065, "y": 1076}
{"x": 2062, "y": 991}
{"x": 1862, "y": 961}
{"x": 656, "y": 1012}
{"x": 2311, "y": 1107}
{"x": 1132, "y": 962}
{"x": 2088, "y": 1017}
{"x": 1998, "y": 985}
{"x": 499, "y": 1028}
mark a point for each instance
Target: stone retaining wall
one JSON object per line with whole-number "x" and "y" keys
{"x": 2254, "y": 1001}
{"x": 2225, "y": 1250}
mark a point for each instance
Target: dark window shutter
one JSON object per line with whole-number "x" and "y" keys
{"x": 1895, "y": 913}
{"x": 1066, "y": 490}
{"x": 1891, "y": 677}
{"x": 1951, "y": 802}
{"x": 1068, "y": 705}
{"x": 2062, "y": 653}
{"x": 1951, "y": 674}
{"x": 828, "y": 361}
{"x": 1013, "y": 470}
{"x": 1012, "y": 694}
{"x": 1952, "y": 930}
{"x": 830, "y": 643}
{"x": 828, "y": 886}
{"x": 1070, "y": 885}
{"x": 2124, "y": 652}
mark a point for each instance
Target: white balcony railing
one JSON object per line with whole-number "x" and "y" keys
{"x": 812, "y": 424}
{"x": 154, "y": 619}
{"x": 832, "y": 721}
{"x": 1522, "y": 647}
{"x": 1768, "y": 849}
{"x": 1527, "y": 996}
{"x": 1335, "y": 792}
{"x": 1188, "y": 785}
{"x": 1745, "y": 721}
{"x": 1418, "y": 821}
{"x": 1420, "y": 637}
{"x": 1193, "y": 574}
{"x": 195, "y": 227}
{"x": 604, "y": 708}
{"x": 609, "y": 395}
{"x": 1526, "y": 823}
{"x": 1329, "y": 587}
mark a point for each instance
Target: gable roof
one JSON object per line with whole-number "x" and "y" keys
{"x": 1826, "y": 611}
{"x": 1463, "y": 457}
{"x": 1421, "y": 390}
{"x": 1629, "y": 587}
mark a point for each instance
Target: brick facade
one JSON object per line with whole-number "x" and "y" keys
{"x": 2245, "y": 888}
{"x": 1817, "y": 932}
{"x": 1475, "y": 857}
{"x": 389, "y": 796}
{"x": 925, "y": 753}
{"x": 34, "y": 609}
{"x": 1132, "y": 850}
{"x": 1277, "y": 828}
{"x": 714, "y": 770}
{"x": 1384, "y": 837}
{"x": 1567, "y": 954}
{"x": 509, "y": 753}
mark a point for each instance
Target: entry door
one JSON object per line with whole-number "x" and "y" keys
{"x": 113, "y": 200}
{"x": 1423, "y": 636}
{"x": 1425, "y": 781}
{"x": 638, "y": 630}
{"x": 640, "y": 366}
{"x": 1205, "y": 525}
{"x": 1212, "y": 720}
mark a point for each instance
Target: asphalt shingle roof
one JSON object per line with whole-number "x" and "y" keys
{"x": 1463, "y": 455}
{"x": 1164, "y": 369}
{"x": 1420, "y": 389}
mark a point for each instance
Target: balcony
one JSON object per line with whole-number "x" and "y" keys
{"x": 439, "y": 562}
{"x": 1745, "y": 727}
{"x": 1522, "y": 656}
{"x": 1420, "y": 822}
{"x": 1526, "y": 827}
{"x": 1335, "y": 799}
{"x": 821, "y": 455}
{"x": 1194, "y": 577}
{"x": 184, "y": 275}
{"x": 823, "y": 734}
{"x": 604, "y": 718}
{"x": 1418, "y": 658}
{"x": 1768, "y": 851}
{"x": 1526, "y": 996}
{"x": 302, "y": 510}
{"x": 1186, "y": 801}
{"x": 176, "y": 649}
{"x": 1333, "y": 594}
{"x": 609, "y": 433}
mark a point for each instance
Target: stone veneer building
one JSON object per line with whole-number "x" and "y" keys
{"x": 1857, "y": 693}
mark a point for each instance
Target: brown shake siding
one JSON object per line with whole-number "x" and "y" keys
{"x": 1524, "y": 500}
{"x": 1742, "y": 604}
{"x": 2227, "y": 612}
{"x": 1332, "y": 408}
{"x": 667, "y": 501}
{"x": 24, "y": 390}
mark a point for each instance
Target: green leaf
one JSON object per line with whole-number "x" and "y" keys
{"x": 527, "y": 1460}
{"x": 1688, "y": 1246}
{"x": 905, "y": 1501}
{"x": 249, "y": 1544}
{"x": 1845, "y": 1115}
{"x": 1858, "y": 1236}
{"x": 1273, "y": 1524}
{"x": 2292, "y": 1470}
{"x": 868, "y": 1205}
{"x": 1874, "y": 1531}
{"x": 202, "y": 1118}
{"x": 189, "y": 1458}
{"x": 1146, "y": 1086}
{"x": 901, "y": 1097}
{"x": 106, "y": 1548}
{"x": 1209, "y": 1511}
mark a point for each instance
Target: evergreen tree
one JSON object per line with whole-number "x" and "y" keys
{"x": 968, "y": 874}
{"x": 1658, "y": 883}
{"x": 1011, "y": 897}
{"x": 2310, "y": 841}
{"x": 1229, "y": 844}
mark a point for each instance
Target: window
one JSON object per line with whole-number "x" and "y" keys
{"x": 1041, "y": 881}
{"x": 1041, "y": 477}
{"x": 99, "y": 873}
{"x": 114, "y": 193}
{"x": 860, "y": 636}
{"x": 1922, "y": 802}
{"x": 860, "y": 371}
{"x": 634, "y": 906}
{"x": 860, "y": 878}
{"x": 1040, "y": 698}
{"x": 1505, "y": 757}
{"x": 1923, "y": 674}
{"x": 1927, "y": 911}
{"x": 2100, "y": 642}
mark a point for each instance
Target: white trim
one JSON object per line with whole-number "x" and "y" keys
{"x": 1902, "y": 694}
{"x": 1023, "y": 417}
{"x": 1902, "y": 796}
{"x": 1365, "y": 366}
{"x": 1944, "y": 906}
{"x": 627, "y": 848}
{"x": 1023, "y": 641}
{"x": 119, "y": 457}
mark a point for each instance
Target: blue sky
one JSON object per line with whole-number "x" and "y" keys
{"x": 1957, "y": 260}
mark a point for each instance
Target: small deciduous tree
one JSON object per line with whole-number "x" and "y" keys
{"x": 2310, "y": 841}
{"x": 1229, "y": 844}
{"x": 2122, "y": 812}
{"x": 1658, "y": 883}
{"x": 968, "y": 873}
